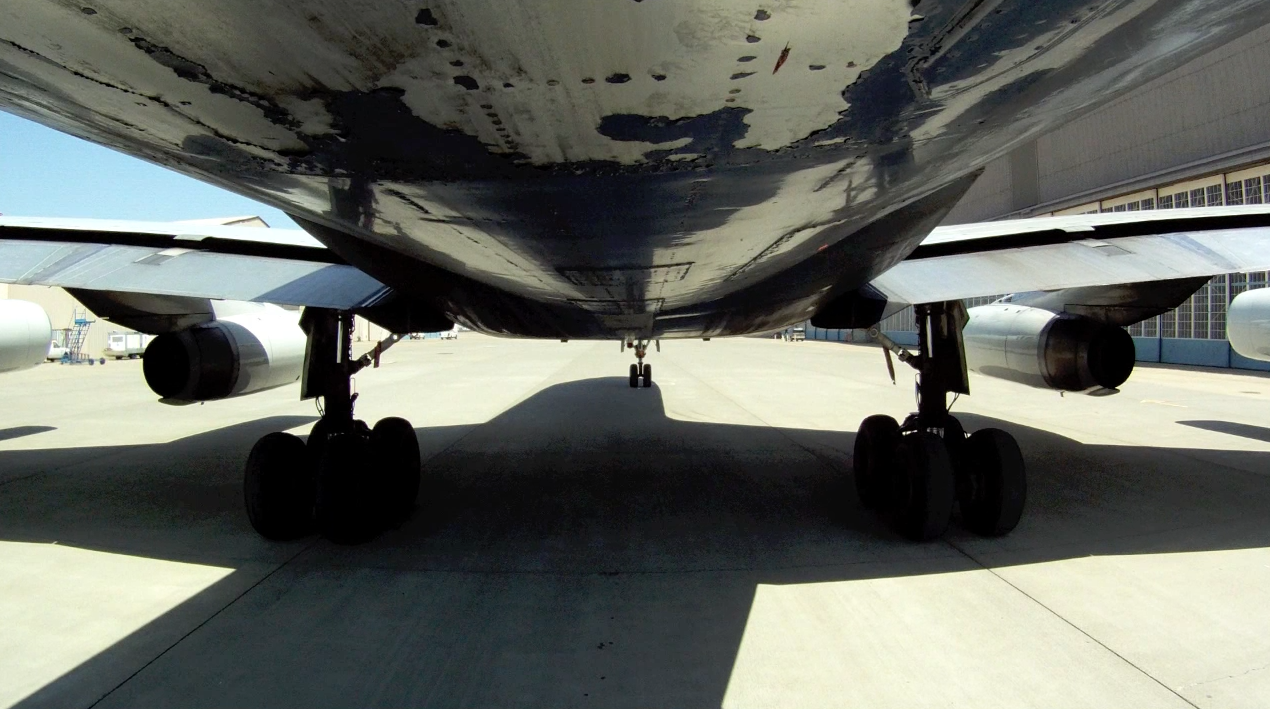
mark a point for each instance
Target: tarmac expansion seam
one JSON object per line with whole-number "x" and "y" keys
{"x": 205, "y": 621}
{"x": 1071, "y": 624}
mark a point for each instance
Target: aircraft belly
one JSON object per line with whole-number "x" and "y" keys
{"x": 625, "y": 158}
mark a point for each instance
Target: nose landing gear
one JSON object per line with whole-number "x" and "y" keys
{"x": 640, "y": 372}
{"x": 350, "y": 481}
{"x": 917, "y": 471}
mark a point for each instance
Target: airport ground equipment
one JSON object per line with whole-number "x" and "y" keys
{"x": 130, "y": 345}
{"x": 76, "y": 335}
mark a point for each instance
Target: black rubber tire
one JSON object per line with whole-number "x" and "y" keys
{"x": 349, "y": 505}
{"x": 648, "y": 375}
{"x": 396, "y": 451}
{"x": 278, "y": 488}
{"x": 316, "y": 441}
{"x": 634, "y": 376}
{"x": 992, "y": 490}
{"x": 955, "y": 442}
{"x": 873, "y": 460}
{"x": 924, "y": 489}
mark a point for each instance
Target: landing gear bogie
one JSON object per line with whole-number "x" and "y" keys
{"x": 918, "y": 471}
{"x": 348, "y": 482}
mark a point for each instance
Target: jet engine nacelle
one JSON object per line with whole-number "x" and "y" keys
{"x": 1048, "y": 350}
{"x": 25, "y": 334}
{"x": 231, "y": 356}
{"x": 1248, "y": 324}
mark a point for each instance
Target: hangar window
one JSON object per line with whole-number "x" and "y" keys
{"x": 1184, "y": 313}
{"x": 1166, "y": 201}
{"x": 1199, "y": 313}
{"x": 1168, "y": 324}
{"x": 1150, "y": 326}
{"x": 1131, "y": 207}
{"x": 1256, "y": 279}
{"x": 1235, "y": 192}
{"x": 1217, "y": 308}
{"x": 1181, "y": 200}
{"x": 1197, "y": 197}
{"x": 1118, "y": 208}
{"x": 1148, "y": 203}
{"x": 1214, "y": 195}
{"x": 1252, "y": 190}
{"x": 1238, "y": 284}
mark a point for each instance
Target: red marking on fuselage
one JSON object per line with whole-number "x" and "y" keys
{"x": 783, "y": 57}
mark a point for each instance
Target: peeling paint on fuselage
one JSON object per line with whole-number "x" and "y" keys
{"x": 510, "y": 142}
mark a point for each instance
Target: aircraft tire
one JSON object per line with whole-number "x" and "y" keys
{"x": 648, "y": 375}
{"x": 350, "y": 490}
{"x": 955, "y": 442}
{"x": 993, "y": 490}
{"x": 396, "y": 451}
{"x": 924, "y": 489}
{"x": 873, "y": 459}
{"x": 278, "y": 488}
{"x": 634, "y": 376}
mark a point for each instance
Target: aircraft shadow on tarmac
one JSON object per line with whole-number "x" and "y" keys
{"x": 581, "y": 518}
{"x": 9, "y": 434}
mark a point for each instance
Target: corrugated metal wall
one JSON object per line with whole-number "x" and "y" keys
{"x": 1215, "y": 105}
{"x": 990, "y": 194}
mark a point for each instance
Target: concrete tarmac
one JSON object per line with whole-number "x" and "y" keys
{"x": 582, "y": 544}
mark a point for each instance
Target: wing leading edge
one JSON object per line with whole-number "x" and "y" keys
{"x": 284, "y": 267}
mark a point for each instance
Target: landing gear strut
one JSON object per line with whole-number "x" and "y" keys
{"x": 639, "y": 370}
{"x": 914, "y": 472}
{"x": 350, "y": 481}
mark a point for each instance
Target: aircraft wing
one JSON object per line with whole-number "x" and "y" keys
{"x": 280, "y": 266}
{"x": 1052, "y": 253}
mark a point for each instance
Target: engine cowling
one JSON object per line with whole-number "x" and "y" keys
{"x": 25, "y": 334}
{"x": 1047, "y": 350}
{"x": 1248, "y": 324}
{"x": 231, "y": 356}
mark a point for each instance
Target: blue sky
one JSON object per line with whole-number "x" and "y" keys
{"x": 44, "y": 173}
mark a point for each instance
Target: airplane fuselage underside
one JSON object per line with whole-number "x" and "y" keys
{"x": 580, "y": 169}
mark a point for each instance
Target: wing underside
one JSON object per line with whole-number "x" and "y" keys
{"x": 1052, "y": 253}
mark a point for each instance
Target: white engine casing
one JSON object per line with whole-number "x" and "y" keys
{"x": 1047, "y": 350}
{"x": 25, "y": 335}
{"x": 1248, "y": 324}
{"x": 234, "y": 355}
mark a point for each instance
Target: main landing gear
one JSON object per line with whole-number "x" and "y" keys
{"x": 914, "y": 472}
{"x": 350, "y": 481}
{"x": 639, "y": 370}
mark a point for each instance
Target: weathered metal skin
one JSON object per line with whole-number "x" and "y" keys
{"x": 567, "y": 168}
